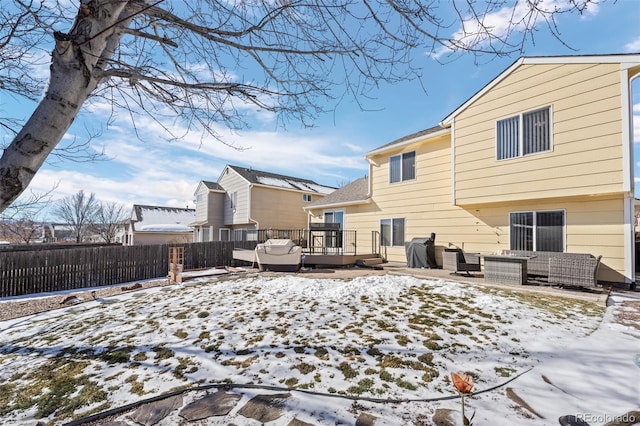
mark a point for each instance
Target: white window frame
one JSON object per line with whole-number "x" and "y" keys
{"x": 306, "y": 198}
{"x": 224, "y": 231}
{"x": 391, "y": 238}
{"x": 521, "y": 145}
{"x": 244, "y": 234}
{"x": 333, "y": 216}
{"x": 402, "y": 179}
{"x": 535, "y": 219}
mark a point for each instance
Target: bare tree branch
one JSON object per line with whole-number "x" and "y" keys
{"x": 22, "y": 222}
{"x": 109, "y": 220}
{"x": 210, "y": 63}
{"x": 79, "y": 212}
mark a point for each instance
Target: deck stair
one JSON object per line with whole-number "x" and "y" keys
{"x": 370, "y": 262}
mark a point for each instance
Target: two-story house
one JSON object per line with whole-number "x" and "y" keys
{"x": 245, "y": 199}
{"x": 541, "y": 158}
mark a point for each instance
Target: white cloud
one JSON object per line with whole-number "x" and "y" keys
{"x": 633, "y": 46}
{"x": 299, "y": 153}
{"x": 159, "y": 172}
{"x": 501, "y": 23}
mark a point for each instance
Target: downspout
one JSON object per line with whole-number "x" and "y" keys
{"x": 249, "y": 208}
{"x": 369, "y": 184}
{"x": 628, "y": 174}
{"x": 369, "y": 195}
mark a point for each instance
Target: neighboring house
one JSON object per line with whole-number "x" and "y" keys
{"x": 209, "y": 222}
{"x": 59, "y": 233}
{"x": 158, "y": 225}
{"x": 244, "y": 200}
{"x": 333, "y": 207}
{"x": 540, "y": 159}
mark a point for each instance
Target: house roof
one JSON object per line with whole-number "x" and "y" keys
{"x": 212, "y": 185}
{"x": 444, "y": 126}
{"x": 258, "y": 177}
{"x": 357, "y": 192}
{"x": 409, "y": 139}
{"x": 632, "y": 58}
{"x": 161, "y": 219}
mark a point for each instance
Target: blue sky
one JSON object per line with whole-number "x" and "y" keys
{"x": 150, "y": 170}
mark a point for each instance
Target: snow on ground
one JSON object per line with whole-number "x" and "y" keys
{"x": 389, "y": 337}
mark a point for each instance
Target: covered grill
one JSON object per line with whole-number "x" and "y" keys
{"x": 421, "y": 252}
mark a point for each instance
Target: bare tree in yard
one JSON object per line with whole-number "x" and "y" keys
{"x": 207, "y": 62}
{"x": 22, "y": 221}
{"x": 21, "y": 231}
{"x": 78, "y": 211}
{"x": 109, "y": 220}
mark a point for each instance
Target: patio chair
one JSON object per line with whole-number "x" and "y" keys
{"x": 460, "y": 261}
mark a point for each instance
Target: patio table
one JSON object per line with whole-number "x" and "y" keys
{"x": 505, "y": 269}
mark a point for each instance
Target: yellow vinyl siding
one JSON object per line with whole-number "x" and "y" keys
{"x": 586, "y": 123}
{"x": 275, "y": 208}
{"x": 594, "y": 224}
{"x": 148, "y": 238}
{"x": 528, "y": 87}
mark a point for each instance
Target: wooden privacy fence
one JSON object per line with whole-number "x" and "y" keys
{"x": 42, "y": 271}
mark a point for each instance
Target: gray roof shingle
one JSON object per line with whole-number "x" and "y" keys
{"x": 351, "y": 193}
{"x": 282, "y": 181}
{"x": 212, "y": 185}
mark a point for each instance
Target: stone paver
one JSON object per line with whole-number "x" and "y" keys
{"x": 211, "y": 405}
{"x": 265, "y": 408}
{"x": 366, "y": 419}
{"x": 297, "y": 422}
{"x": 443, "y": 417}
{"x": 152, "y": 413}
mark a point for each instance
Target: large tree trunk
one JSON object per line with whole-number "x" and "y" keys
{"x": 75, "y": 59}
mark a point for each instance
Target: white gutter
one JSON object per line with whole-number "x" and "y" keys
{"x": 420, "y": 138}
{"x": 369, "y": 184}
{"x": 628, "y": 178}
{"x": 453, "y": 162}
{"x": 346, "y": 203}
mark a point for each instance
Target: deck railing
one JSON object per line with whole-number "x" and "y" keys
{"x": 338, "y": 242}
{"x": 331, "y": 242}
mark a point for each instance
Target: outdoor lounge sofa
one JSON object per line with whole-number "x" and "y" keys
{"x": 278, "y": 255}
{"x": 577, "y": 271}
{"x": 459, "y": 261}
{"x": 572, "y": 269}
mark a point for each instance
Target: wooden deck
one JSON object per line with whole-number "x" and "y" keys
{"x": 314, "y": 260}
{"x": 336, "y": 259}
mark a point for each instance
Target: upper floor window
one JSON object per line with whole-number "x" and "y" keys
{"x": 199, "y": 198}
{"x": 524, "y": 134}
{"x": 233, "y": 200}
{"x": 402, "y": 167}
{"x": 306, "y": 197}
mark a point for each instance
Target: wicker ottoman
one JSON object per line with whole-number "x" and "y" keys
{"x": 501, "y": 269}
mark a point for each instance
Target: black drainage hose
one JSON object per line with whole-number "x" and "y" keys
{"x": 229, "y": 386}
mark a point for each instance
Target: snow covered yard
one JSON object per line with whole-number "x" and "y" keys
{"x": 387, "y": 337}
